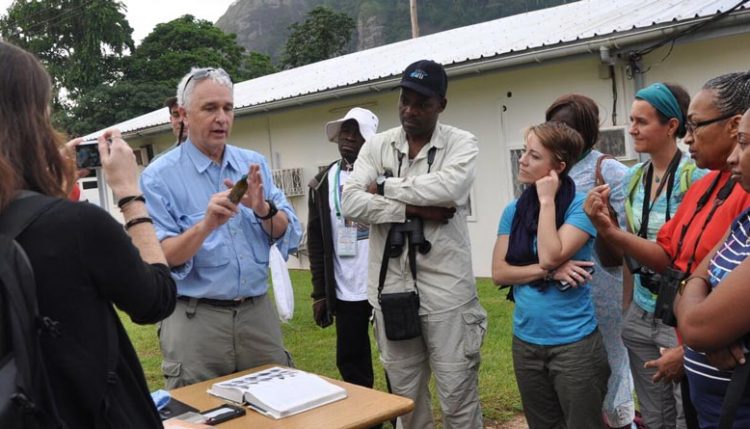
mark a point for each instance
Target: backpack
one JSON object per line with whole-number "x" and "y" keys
{"x": 26, "y": 399}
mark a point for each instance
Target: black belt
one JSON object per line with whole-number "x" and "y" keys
{"x": 219, "y": 302}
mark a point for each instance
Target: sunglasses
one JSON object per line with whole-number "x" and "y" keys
{"x": 202, "y": 74}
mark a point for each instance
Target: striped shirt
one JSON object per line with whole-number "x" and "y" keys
{"x": 707, "y": 383}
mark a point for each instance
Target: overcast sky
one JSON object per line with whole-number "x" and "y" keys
{"x": 143, "y": 15}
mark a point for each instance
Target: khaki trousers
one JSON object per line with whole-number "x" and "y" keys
{"x": 449, "y": 348}
{"x": 202, "y": 341}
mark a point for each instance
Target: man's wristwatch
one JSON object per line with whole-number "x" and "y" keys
{"x": 272, "y": 210}
{"x": 380, "y": 181}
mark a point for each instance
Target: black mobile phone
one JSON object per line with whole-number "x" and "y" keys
{"x": 87, "y": 155}
{"x": 220, "y": 414}
{"x": 563, "y": 285}
{"x": 175, "y": 408}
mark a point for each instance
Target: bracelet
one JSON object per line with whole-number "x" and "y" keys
{"x": 684, "y": 283}
{"x": 122, "y": 202}
{"x": 272, "y": 210}
{"x": 549, "y": 276}
{"x": 135, "y": 221}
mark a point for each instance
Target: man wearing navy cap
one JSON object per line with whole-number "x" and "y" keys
{"x": 423, "y": 170}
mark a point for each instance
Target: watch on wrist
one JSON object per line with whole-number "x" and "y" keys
{"x": 380, "y": 181}
{"x": 272, "y": 210}
{"x": 549, "y": 276}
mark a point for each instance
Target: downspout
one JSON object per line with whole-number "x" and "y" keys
{"x": 635, "y": 68}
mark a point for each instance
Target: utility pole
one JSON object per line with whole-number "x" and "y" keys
{"x": 414, "y": 20}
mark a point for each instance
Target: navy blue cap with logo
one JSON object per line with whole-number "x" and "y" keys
{"x": 425, "y": 77}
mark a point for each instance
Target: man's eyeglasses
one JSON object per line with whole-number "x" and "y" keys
{"x": 692, "y": 127}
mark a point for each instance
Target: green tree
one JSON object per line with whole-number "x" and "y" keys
{"x": 174, "y": 47}
{"x": 107, "y": 105}
{"x": 153, "y": 71}
{"x": 254, "y": 65}
{"x": 81, "y": 42}
{"x": 324, "y": 34}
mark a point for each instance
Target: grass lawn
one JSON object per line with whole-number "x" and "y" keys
{"x": 314, "y": 349}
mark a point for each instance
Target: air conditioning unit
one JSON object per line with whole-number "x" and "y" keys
{"x": 616, "y": 141}
{"x": 290, "y": 181}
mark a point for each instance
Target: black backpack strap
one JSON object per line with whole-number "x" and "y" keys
{"x": 24, "y": 210}
{"x": 733, "y": 397}
{"x": 32, "y": 393}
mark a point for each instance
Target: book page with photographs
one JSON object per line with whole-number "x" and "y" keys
{"x": 279, "y": 392}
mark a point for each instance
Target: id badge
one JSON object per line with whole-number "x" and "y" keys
{"x": 347, "y": 238}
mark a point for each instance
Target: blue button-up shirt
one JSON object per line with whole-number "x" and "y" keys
{"x": 233, "y": 260}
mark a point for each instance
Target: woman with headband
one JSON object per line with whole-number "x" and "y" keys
{"x": 653, "y": 190}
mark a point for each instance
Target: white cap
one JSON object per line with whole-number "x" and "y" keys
{"x": 367, "y": 121}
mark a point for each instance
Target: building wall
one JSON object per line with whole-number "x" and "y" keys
{"x": 495, "y": 106}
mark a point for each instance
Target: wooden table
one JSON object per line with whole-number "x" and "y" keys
{"x": 362, "y": 407}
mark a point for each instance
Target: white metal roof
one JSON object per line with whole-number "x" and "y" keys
{"x": 569, "y": 23}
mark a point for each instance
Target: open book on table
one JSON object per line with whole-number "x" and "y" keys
{"x": 279, "y": 392}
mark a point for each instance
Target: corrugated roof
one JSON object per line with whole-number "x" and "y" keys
{"x": 582, "y": 20}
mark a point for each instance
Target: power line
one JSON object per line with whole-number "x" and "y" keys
{"x": 66, "y": 13}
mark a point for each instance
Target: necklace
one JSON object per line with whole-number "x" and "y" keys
{"x": 657, "y": 179}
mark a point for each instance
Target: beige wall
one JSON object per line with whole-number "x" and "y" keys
{"x": 495, "y": 106}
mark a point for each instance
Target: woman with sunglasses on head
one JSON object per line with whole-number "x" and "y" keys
{"x": 582, "y": 114}
{"x": 706, "y": 211}
{"x": 83, "y": 262}
{"x": 711, "y": 307}
{"x": 543, "y": 249}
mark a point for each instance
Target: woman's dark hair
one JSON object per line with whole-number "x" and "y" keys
{"x": 29, "y": 146}
{"x": 584, "y": 114}
{"x": 732, "y": 92}
{"x": 683, "y": 100}
{"x": 564, "y": 143}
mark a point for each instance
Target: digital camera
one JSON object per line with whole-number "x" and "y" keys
{"x": 87, "y": 155}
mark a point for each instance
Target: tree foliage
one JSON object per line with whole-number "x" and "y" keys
{"x": 324, "y": 34}
{"x": 81, "y": 42}
{"x": 153, "y": 71}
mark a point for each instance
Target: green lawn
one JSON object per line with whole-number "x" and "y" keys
{"x": 314, "y": 349}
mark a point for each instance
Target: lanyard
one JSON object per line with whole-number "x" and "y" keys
{"x": 721, "y": 196}
{"x": 668, "y": 180}
{"x": 337, "y": 190}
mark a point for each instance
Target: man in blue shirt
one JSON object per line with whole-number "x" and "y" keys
{"x": 218, "y": 251}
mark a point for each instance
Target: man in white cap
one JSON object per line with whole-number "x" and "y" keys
{"x": 338, "y": 252}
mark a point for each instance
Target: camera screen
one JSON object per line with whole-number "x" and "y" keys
{"x": 87, "y": 156}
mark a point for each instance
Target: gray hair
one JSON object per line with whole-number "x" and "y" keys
{"x": 732, "y": 92}
{"x": 188, "y": 82}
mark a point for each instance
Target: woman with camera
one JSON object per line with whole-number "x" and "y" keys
{"x": 706, "y": 211}
{"x": 653, "y": 191}
{"x": 82, "y": 260}
{"x": 544, "y": 249}
{"x": 711, "y": 307}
